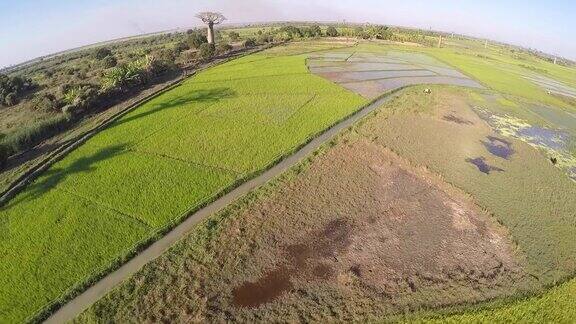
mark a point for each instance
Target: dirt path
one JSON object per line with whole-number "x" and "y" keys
{"x": 73, "y": 308}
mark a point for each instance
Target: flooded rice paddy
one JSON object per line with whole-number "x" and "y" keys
{"x": 371, "y": 74}
{"x": 551, "y": 85}
{"x": 554, "y": 135}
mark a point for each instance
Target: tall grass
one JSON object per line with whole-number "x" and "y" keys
{"x": 27, "y": 137}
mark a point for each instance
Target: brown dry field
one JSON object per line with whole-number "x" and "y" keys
{"x": 357, "y": 233}
{"x": 362, "y": 223}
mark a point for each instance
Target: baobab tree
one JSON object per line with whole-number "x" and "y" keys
{"x": 211, "y": 19}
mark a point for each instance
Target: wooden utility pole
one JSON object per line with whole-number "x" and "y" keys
{"x": 486, "y": 43}
{"x": 440, "y": 41}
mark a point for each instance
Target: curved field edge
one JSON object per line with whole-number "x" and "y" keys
{"x": 554, "y": 305}
{"x": 351, "y": 106}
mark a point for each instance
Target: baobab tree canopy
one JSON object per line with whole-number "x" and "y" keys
{"x": 211, "y": 19}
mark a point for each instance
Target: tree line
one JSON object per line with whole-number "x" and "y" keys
{"x": 76, "y": 84}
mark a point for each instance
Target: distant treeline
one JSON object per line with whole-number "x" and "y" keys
{"x": 60, "y": 90}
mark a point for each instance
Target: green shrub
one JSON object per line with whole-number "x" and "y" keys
{"x": 331, "y": 32}
{"x": 12, "y": 88}
{"x": 11, "y": 99}
{"x": 312, "y": 31}
{"x": 128, "y": 75}
{"x": 379, "y": 32}
{"x": 234, "y": 36}
{"x": 206, "y": 51}
{"x": 45, "y": 102}
{"x": 109, "y": 62}
{"x": 290, "y": 32}
{"x": 180, "y": 47}
{"x": 224, "y": 48}
{"x": 250, "y": 42}
{"x": 196, "y": 39}
{"x": 102, "y": 52}
{"x": 265, "y": 38}
{"x": 78, "y": 98}
{"x": 359, "y": 32}
{"x": 3, "y": 156}
{"x": 27, "y": 137}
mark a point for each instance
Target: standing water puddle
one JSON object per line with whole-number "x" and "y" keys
{"x": 551, "y": 138}
{"x": 302, "y": 260}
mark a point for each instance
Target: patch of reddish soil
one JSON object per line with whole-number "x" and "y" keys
{"x": 302, "y": 259}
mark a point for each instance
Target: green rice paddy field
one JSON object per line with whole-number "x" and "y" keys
{"x": 154, "y": 166}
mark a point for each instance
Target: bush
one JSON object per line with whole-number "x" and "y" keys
{"x": 224, "y": 48}
{"x": 331, "y": 32}
{"x": 128, "y": 75}
{"x": 312, "y": 31}
{"x": 102, "y": 52}
{"x": 265, "y": 38}
{"x": 291, "y": 32}
{"x": 12, "y": 88}
{"x": 180, "y": 47}
{"x": 45, "y": 102}
{"x": 234, "y": 36}
{"x": 78, "y": 98}
{"x": 206, "y": 51}
{"x": 109, "y": 62}
{"x": 379, "y": 32}
{"x": 195, "y": 40}
{"x": 11, "y": 99}
{"x": 4, "y": 154}
{"x": 250, "y": 42}
{"x": 27, "y": 137}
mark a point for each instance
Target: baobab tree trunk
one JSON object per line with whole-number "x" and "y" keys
{"x": 210, "y": 34}
{"x": 211, "y": 19}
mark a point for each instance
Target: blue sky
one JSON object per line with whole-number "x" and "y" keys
{"x": 31, "y": 28}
